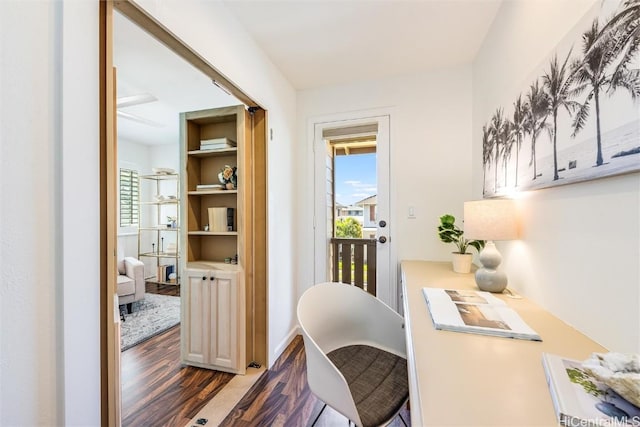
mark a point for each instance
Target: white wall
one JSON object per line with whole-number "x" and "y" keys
{"x": 430, "y": 140}
{"x": 579, "y": 253}
{"x": 49, "y": 215}
{"x": 49, "y": 227}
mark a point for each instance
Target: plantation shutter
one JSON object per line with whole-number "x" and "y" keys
{"x": 129, "y": 197}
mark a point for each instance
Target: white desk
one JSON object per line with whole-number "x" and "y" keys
{"x": 460, "y": 379}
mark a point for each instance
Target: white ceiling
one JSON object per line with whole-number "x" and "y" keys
{"x": 319, "y": 43}
{"x": 145, "y": 66}
{"x": 314, "y": 44}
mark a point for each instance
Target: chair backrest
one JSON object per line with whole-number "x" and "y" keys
{"x": 337, "y": 314}
{"x": 334, "y": 315}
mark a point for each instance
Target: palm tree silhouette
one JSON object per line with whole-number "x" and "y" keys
{"x": 626, "y": 24}
{"x": 557, "y": 83}
{"x": 507, "y": 146}
{"x": 518, "y": 123}
{"x": 486, "y": 154}
{"x": 495, "y": 130}
{"x": 536, "y": 113}
{"x": 600, "y": 50}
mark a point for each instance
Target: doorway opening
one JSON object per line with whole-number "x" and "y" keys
{"x": 255, "y": 266}
{"x": 353, "y": 244}
{"x": 352, "y": 204}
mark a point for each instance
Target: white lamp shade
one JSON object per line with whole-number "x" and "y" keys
{"x": 490, "y": 219}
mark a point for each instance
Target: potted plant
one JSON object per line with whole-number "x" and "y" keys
{"x": 449, "y": 232}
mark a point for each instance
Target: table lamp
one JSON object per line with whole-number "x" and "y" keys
{"x": 490, "y": 219}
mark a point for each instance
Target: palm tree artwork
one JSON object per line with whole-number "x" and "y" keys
{"x": 557, "y": 83}
{"x": 535, "y": 119}
{"x": 507, "y": 146}
{"x": 487, "y": 148}
{"x": 626, "y": 23}
{"x": 518, "y": 123}
{"x": 495, "y": 131}
{"x": 600, "y": 50}
{"x": 586, "y": 102}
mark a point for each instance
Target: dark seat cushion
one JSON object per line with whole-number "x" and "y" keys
{"x": 377, "y": 380}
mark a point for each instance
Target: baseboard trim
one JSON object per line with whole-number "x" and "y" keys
{"x": 285, "y": 343}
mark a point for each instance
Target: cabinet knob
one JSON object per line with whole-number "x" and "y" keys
{"x": 211, "y": 278}
{"x": 204, "y": 277}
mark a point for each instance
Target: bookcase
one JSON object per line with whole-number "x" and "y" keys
{"x": 214, "y": 233}
{"x": 158, "y": 238}
{"x": 203, "y": 241}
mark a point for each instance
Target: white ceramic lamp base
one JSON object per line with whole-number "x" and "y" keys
{"x": 488, "y": 278}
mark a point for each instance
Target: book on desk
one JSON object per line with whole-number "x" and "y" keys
{"x": 579, "y": 399}
{"x": 475, "y": 312}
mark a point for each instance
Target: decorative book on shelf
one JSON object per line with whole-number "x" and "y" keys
{"x": 475, "y": 312}
{"x": 209, "y": 187}
{"x": 216, "y": 144}
{"x": 580, "y": 399}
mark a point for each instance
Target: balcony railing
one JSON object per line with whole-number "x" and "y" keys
{"x": 354, "y": 262}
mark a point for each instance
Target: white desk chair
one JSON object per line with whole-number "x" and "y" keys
{"x": 356, "y": 353}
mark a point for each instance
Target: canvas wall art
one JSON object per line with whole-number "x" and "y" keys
{"x": 578, "y": 118}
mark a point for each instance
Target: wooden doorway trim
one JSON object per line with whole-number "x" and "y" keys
{"x": 109, "y": 335}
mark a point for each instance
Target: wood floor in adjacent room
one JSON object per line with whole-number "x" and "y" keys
{"x": 157, "y": 390}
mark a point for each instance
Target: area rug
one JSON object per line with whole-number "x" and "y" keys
{"x": 151, "y": 316}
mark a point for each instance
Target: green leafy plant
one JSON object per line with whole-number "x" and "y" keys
{"x": 348, "y": 227}
{"x": 448, "y": 232}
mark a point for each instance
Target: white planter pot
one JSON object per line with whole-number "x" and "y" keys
{"x": 462, "y": 263}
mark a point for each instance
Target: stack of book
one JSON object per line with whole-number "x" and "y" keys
{"x": 162, "y": 275}
{"x": 216, "y": 144}
{"x": 221, "y": 219}
{"x": 581, "y": 399}
{"x": 209, "y": 187}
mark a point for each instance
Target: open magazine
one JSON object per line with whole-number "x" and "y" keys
{"x": 581, "y": 400}
{"x": 475, "y": 312}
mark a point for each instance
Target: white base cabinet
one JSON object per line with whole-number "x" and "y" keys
{"x": 213, "y": 318}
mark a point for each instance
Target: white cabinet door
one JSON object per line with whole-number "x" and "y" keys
{"x": 213, "y": 334}
{"x": 224, "y": 325}
{"x": 195, "y": 317}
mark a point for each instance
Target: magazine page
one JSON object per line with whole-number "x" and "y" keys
{"x": 475, "y": 312}
{"x": 580, "y": 399}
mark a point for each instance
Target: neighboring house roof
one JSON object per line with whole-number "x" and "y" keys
{"x": 355, "y": 210}
{"x": 372, "y": 200}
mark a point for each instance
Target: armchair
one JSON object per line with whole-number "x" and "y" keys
{"x": 131, "y": 283}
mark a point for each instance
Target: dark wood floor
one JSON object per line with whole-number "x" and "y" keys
{"x": 155, "y": 288}
{"x": 158, "y": 391}
{"x": 281, "y": 397}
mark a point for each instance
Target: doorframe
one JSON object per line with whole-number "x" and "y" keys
{"x": 109, "y": 361}
{"x": 316, "y": 125}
